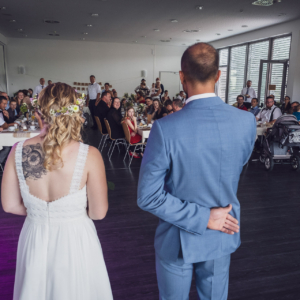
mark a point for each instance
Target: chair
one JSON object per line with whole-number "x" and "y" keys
{"x": 114, "y": 141}
{"x": 104, "y": 135}
{"x": 127, "y": 138}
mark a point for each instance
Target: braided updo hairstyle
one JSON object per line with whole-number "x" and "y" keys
{"x": 62, "y": 129}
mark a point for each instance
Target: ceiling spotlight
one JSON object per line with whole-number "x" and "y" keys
{"x": 3, "y": 8}
{"x": 143, "y": 36}
{"x": 83, "y": 39}
{"x": 244, "y": 25}
{"x": 174, "y": 21}
{"x": 263, "y": 2}
{"x": 282, "y": 14}
{"x": 134, "y": 41}
{"x": 85, "y": 33}
{"x": 51, "y": 21}
{"x": 230, "y": 29}
{"x": 25, "y": 35}
{"x": 199, "y": 7}
{"x": 95, "y": 15}
{"x": 89, "y": 25}
{"x": 54, "y": 34}
{"x": 156, "y": 29}
{"x": 197, "y": 40}
{"x": 192, "y": 30}
{"x": 165, "y": 41}
{"x": 218, "y": 33}
{"x": 183, "y": 44}
{"x": 20, "y": 30}
{"x": 12, "y": 21}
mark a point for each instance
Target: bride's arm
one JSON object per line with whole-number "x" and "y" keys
{"x": 96, "y": 185}
{"x": 10, "y": 191}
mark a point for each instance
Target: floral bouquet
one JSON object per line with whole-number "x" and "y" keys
{"x": 132, "y": 96}
{"x": 126, "y": 95}
{"x": 141, "y": 108}
{"x": 128, "y": 103}
{"x": 24, "y": 108}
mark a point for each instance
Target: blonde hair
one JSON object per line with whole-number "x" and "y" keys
{"x": 60, "y": 129}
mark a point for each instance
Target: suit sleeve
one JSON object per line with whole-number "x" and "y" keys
{"x": 152, "y": 197}
{"x": 251, "y": 140}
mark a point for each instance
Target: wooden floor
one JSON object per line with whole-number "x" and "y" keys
{"x": 265, "y": 267}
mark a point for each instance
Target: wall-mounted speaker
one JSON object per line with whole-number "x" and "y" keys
{"x": 21, "y": 70}
{"x": 144, "y": 73}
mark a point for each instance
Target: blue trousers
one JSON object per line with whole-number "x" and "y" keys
{"x": 174, "y": 279}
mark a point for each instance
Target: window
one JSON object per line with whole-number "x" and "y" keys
{"x": 221, "y": 85}
{"x": 237, "y": 72}
{"x": 257, "y": 51}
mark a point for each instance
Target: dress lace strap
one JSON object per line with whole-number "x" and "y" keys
{"x": 79, "y": 167}
{"x": 19, "y": 167}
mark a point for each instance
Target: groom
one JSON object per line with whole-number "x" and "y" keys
{"x": 189, "y": 179}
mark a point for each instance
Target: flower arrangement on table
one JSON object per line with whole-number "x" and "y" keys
{"x": 141, "y": 108}
{"x": 24, "y": 108}
{"x": 126, "y": 95}
{"x": 132, "y": 96}
{"x": 129, "y": 103}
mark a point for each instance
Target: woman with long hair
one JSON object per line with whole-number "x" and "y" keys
{"x": 135, "y": 138}
{"x": 159, "y": 110}
{"x": 20, "y": 99}
{"x": 114, "y": 118}
{"x": 139, "y": 97}
{"x": 59, "y": 184}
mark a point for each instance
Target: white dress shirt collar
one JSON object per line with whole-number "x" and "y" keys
{"x": 200, "y": 96}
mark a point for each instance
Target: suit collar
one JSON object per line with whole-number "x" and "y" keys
{"x": 204, "y": 102}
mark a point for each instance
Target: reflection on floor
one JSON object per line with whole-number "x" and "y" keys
{"x": 265, "y": 267}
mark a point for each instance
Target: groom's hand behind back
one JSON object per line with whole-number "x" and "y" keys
{"x": 221, "y": 220}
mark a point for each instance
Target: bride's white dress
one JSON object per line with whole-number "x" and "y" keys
{"x": 59, "y": 254}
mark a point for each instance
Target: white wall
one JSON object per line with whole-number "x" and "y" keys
{"x": 69, "y": 61}
{"x": 293, "y": 87}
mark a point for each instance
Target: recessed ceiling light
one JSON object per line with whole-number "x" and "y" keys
{"x": 51, "y": 21}
{"x": 20, "y": 30}
{"x": 143, "y": 36}
{"x": 12, "y": 21}
{"x": 3, "y": 8}
{"x": 134, "y": 41}
{"x": 230, "y": 29}
{"x": 85, "y": 33}
{"x": 156, "y": 29}
{"x": 95, "y": 15}
{"x": 183, "y": 44}
{"x": 244, "y": 25}
{"x": 199, "y": 7}
{"x": 218, "y": 33}
{"x": 191, "y": 30}
{"x": 89, "y": 25}
{"x": 83, "y": 39}
{"x": 165, "y": 41}
{"x": 25, "y": 35}
{"x": 174, "y": 21}
{"x": 197, "y": 40}
{"x": 53, "y": 34}
{"x": 281, "y": 14}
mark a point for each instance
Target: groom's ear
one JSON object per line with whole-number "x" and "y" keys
{"x": 182, "y": 77}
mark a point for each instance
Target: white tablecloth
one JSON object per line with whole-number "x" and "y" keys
{"x": 144, "y": 134}
{"x": 7, "y": 137}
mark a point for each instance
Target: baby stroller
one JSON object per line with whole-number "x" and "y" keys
{"x": 282, "y": 143}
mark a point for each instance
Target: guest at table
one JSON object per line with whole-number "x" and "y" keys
{"x": 270, "y": 113}
{"x": 165, "y": 97}
{"x": 139, "y": 97}
{"x": 106, "y": 89}
{"x": 240, "y": 101}
{"x": 177, "y": 105}
{"x": 114, "y": 118}
{"x": 286, "y": 106}
{"x": 49, "y": 82}
{"x": 152, "y": 90}
{"x": 143, "y": 87}
{"x": 248, "y": 93}
{"x": 157, "y": 91}
{"x": 159, "y": 110}
{"x": 20, "y": 100}
{"x": 30, "y": 93}
{"x": 115, "y": 94}
{"x": 161, "y": 86}
{"x": 135, "y": 138}
{"x": 6, "y": 97}
{"x": 39, "y": 87}
{"x": 12, "y": 112}
{"x": 102, "y": 108}
{"x": 149, "y": 108}
{"x": 254, "y": 106}
{"x": 294, "y": 106}
{"x": 182, "y": 96}
{"x": 297, "y": 112}
{"x": 168, "y": 107}
{"x": 3, "y": 113}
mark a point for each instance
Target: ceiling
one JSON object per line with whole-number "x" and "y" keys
{"x": 134, "y": 21}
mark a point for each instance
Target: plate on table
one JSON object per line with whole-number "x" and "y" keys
{"x": 11, "y": 128}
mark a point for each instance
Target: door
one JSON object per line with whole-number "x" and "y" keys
{"x": 272, "y": 79}
{"x": 171, "y": 82}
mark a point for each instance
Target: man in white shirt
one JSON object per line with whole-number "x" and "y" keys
{"x": 39, "y": 87}
{"x": 139, "y": 87}
{"x": 182, "y": 97}
{"x": 270, "y": 113}
{"x": 249, "y": 93}
{"x": 3, "y": 112}
{"x": 93, "y": 95}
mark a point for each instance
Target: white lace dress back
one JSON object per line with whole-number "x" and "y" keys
{"x": 59, "y": 255}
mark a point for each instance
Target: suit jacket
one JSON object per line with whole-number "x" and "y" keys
{"x": 101, "y": 112}
{"x": 192, "y": 163}
{"x": 12, "y": 116}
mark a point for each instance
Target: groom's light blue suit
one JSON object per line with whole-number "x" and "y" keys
{"x": 192, "y": 163}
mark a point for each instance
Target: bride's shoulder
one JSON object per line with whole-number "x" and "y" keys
{"x": 93, "y": 154}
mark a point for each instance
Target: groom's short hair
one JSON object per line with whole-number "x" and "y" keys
{"x": 200, "y": 62}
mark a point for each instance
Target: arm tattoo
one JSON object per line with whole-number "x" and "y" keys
{"x": 32, "y": 161}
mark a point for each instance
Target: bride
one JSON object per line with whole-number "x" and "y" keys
{"x": 59, "y": 184}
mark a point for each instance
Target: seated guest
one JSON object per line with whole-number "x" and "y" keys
{"x": 12, "y": 112}
{"x": 165, "y": 97}
{"x": 114, "y": 118}
{"x": 115, "y": 94}
{"x": 286, "y": 106}
{"x": 182, "y": 96}
{"x": 149, "y": 108}
{"x": 254, "y": 106}
{"x": 6, "y": 97}
{"x": 3, "y": 113}
{"x": 106, "y": 89}
{"x": 30, "y": 92}
{"x": 294, "y": 107}
{"x": 19, "y": 99}
{"x": 297, "y": 112}
{"x": 177, "y": 105}
{"x": 102, "y": 108}
{"x": 139, "y": 97}
{"x": 157, "y": 91}
{"x": 240, "y": 101}
{"x": 270, "y": 113}
{"x": 135, "y": 138}
{"x": 159, "y": 110}
{"x": 169, "y": 108}
{"x": 143, "y": 87}
{"x": 49, "y": 82}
